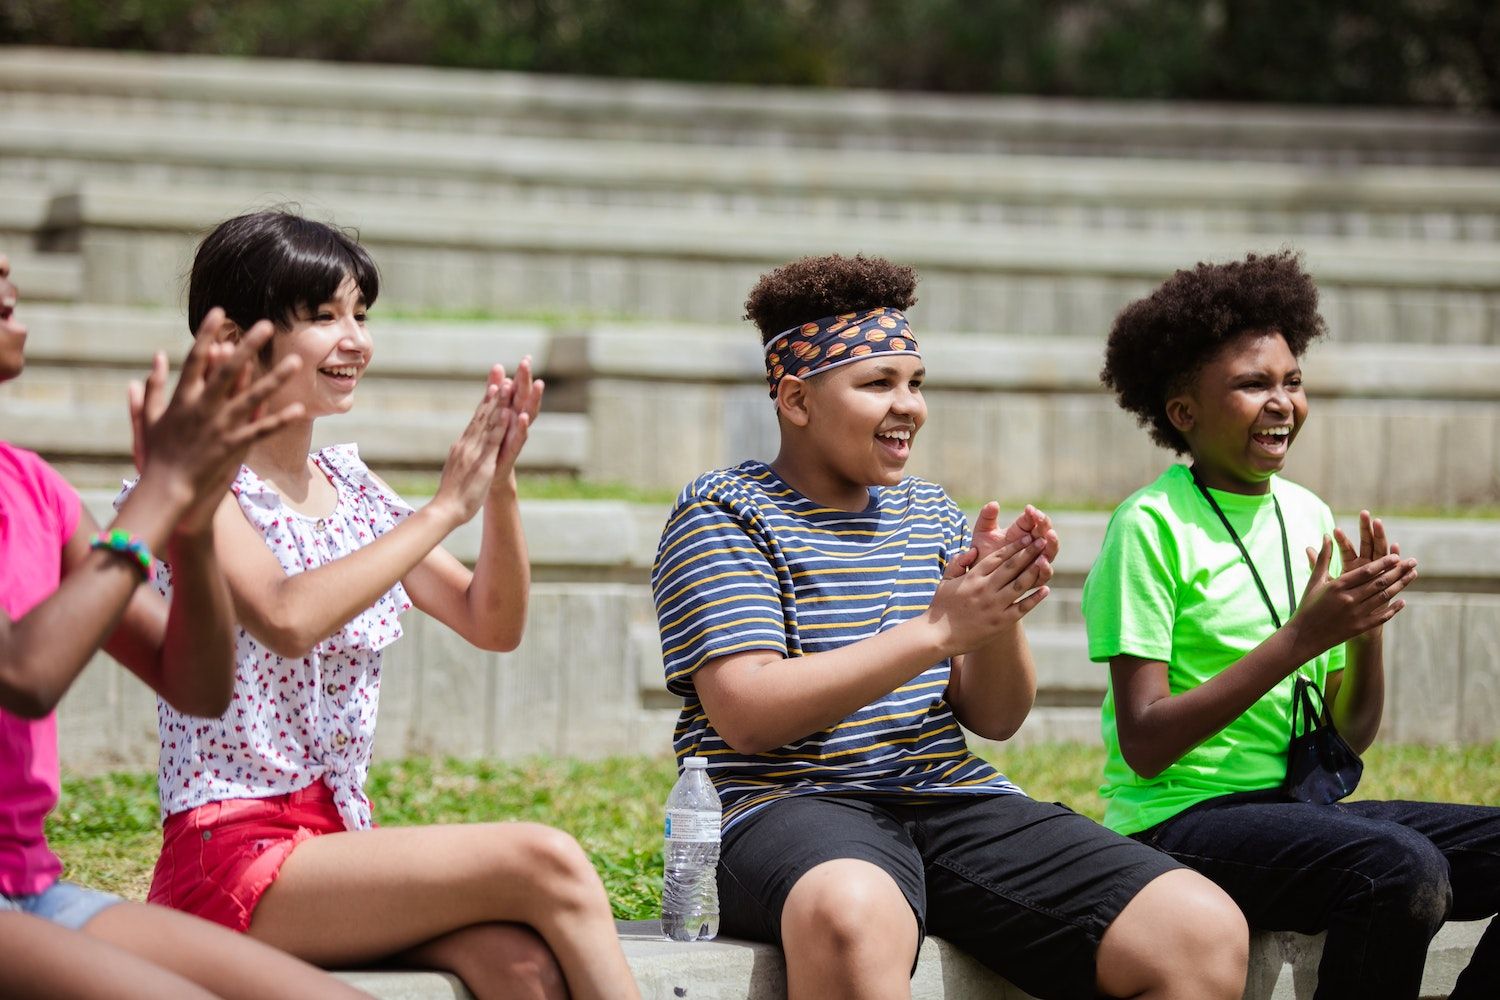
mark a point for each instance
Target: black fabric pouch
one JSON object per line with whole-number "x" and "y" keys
{"x": 1320, "y": 767}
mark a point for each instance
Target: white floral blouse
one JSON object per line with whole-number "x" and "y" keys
{"x": 294, "y": 721}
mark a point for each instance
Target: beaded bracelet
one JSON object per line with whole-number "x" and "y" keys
{"x": 126, "y": 544}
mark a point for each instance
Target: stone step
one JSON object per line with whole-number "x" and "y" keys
{"x": 45, "y": 277}
{"x": 666, "y": 402}
{"x": 98, "y": 429}
{"x": 762, "y": 119}
{"x": 697, "y": 267}
{"x": 948, "y": 190}
{"x": 1283, "y": 966}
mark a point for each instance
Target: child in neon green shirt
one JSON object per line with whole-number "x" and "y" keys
{"x": 1216, "y": 585}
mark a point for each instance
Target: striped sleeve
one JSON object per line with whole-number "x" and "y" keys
{"x": 716, "y": 591}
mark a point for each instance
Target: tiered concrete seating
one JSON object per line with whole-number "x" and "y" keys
{"x": 588, "y": 201}
{"x": 1093, "y": 193}
{"x": 445, "y": 256}
{"x": 133, "y": 85}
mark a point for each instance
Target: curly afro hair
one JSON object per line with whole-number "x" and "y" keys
{"x": 814, "y": 287}
{"x": 1160, "y": 342}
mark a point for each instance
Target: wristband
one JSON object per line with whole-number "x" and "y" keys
{"x": 123, "y": 542}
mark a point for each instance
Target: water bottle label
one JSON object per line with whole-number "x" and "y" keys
{"x": 692, "y": 824}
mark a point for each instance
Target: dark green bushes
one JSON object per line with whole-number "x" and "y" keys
{"x": 1432, "y": 52}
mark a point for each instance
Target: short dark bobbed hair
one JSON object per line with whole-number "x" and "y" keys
{"x": 1159, "y": 343}
{"x": 272, "y": 265}
{"x": 814, "y": 287}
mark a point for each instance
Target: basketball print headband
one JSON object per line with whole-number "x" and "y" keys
{"x": 837, "y": 340}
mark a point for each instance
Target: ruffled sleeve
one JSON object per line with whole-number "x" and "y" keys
{"x": 369, "y": 509}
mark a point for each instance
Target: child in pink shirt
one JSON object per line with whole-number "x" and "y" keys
{"x": 66, "y": 590}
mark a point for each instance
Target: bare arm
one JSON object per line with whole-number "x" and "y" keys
{"x": 45, "y": 649}
{"x": 190, "y": 450}
{"x": 488, "y": 606}
{"x": 993, "y": 687}
{"x": 1156, "y": 727}
{"x": 759, "y": 701}
{"x": 292, "y": 613}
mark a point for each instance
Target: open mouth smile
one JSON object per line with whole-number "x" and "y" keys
{"x": 345, "y": 375}
{"x": 896, "y": 442}
{"x": 1273, "y": 439}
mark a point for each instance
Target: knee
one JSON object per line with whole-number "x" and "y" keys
{"x": 510, "y": 960}
{"x": 1409, "y": 879}
{"x": 856, "y": 914}
{"x": 1211, "y": 927}
{"x": 519, "y": 955}
{"x": 1181, "y": 936}
{"x": 555, "y": 866}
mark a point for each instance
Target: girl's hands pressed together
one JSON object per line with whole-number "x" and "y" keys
{"x": 1362, "y": 598}
{"x": 1373, "y": 544}
{"x": 470, "y": 468}
{"x": 482, "y": 461}
{"x": 525, "y": 401}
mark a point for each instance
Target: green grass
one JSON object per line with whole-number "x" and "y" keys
{"x": 105, "y": 829}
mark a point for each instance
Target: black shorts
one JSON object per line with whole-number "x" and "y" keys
{"x": 1026, "y": 887}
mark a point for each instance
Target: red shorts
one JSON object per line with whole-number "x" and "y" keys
{"x": 218, "y": 860}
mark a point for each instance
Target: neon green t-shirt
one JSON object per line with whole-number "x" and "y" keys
{"x": 1171, "y": 585}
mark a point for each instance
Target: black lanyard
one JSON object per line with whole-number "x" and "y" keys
{"x": 1286, "y": 552}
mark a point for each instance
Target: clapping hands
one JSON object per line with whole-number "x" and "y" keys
{"x": 197, "y": 439}
{"x": 483, "y": 459}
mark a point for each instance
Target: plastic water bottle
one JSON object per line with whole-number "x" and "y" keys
{"x": 690, "y": 886}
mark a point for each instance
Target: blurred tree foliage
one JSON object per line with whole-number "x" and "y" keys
{"x": 1424, "y": 52}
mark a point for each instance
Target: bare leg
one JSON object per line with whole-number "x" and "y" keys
{"x": 44, "y": 961}
{"x": 229, "y": 965}
{"x": 848, "y": 932}
{"x": 495, "y": 961}
{"x": 348, "y": 898}
{"x": 1180, "y": 938}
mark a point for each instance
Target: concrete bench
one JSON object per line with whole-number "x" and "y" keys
{"x": 1283, "y": 966}
{"x": 950, "y": 189}
{"x": 765, "y": 119}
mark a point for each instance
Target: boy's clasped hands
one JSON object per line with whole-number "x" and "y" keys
{"x": 999, "y": 579}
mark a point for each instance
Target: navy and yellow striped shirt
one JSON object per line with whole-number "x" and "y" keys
{"x": 748, "y": 563}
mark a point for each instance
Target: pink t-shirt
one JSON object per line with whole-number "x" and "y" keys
{"x": 38, "y": 514}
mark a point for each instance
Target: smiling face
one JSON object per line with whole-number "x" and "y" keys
{"x": 852, "y": 427}
{"x": 1242, "y": 412}
{"x": 335, "y": 349}
{"x": 12, "y": 330}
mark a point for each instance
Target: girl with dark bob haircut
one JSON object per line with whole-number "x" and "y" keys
{"x": 1223, "y": 595}
{"x": 267, "y": 827}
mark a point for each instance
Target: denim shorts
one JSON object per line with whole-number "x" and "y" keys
{"x": 62, "y": 903}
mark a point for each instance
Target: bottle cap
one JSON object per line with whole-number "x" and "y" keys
{"x": 699, "y": 763}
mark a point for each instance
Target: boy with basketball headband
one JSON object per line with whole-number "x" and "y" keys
{"x": 829, "y": 623}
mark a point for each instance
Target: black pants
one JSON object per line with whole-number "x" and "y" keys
{"x": 1379, "y": 877}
